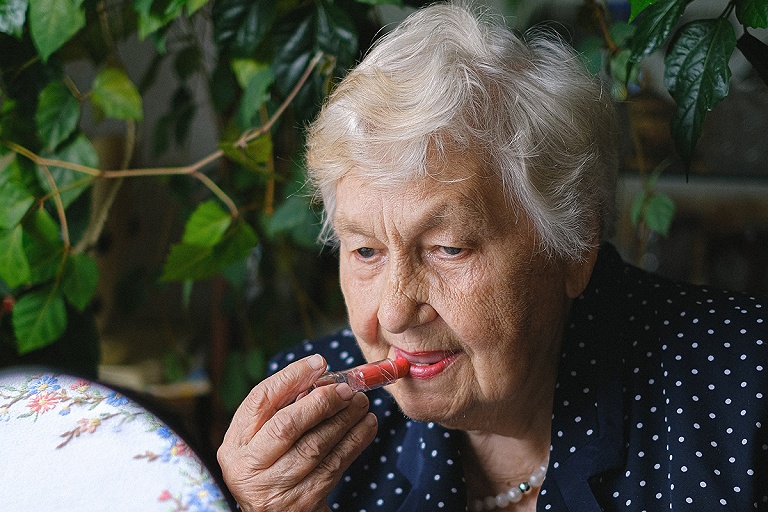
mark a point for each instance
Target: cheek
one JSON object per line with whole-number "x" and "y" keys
{"x": 361, "y": 300}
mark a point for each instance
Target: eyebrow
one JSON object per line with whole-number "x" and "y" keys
{"x": 468, "y": 216}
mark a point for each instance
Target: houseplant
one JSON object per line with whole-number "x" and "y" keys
{"x": 264, "y": 62}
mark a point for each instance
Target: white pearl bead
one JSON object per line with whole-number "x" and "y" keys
{"x": 514, "y": 494}
{"x": 536, "y": 479}
{"x": 502, "y": 500}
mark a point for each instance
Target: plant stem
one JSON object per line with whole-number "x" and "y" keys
{"x": 208, "y": 182}
{"x": 59, "y": 206}
{"x": 269, "y": 192}
{"x": 193, "y": 170}
{"x": 599, "y": 13}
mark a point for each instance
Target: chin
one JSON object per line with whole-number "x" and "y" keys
{"x": 431, "y": 410}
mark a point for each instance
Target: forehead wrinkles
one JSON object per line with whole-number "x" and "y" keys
{"x": 470, "y": 207}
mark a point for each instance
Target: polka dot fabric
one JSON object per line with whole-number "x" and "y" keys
{"x": 660, "y": 405}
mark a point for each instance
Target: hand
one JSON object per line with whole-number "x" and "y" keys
{"x": 283, "y": 454}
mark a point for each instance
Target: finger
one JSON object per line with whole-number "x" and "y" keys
{"x": 271, "y": 395}
{"x": 310, "y": 448}
{"x": 330, "y": 470}
{"x": 318, "y": 414}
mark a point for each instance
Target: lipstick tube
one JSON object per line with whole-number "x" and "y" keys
{"x": 367, "y": 376}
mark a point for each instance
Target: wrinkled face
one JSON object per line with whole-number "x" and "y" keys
{"x": 443, "y": 272}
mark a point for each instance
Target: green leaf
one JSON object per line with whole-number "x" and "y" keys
{"x": 81, "y": 275}
{"x": 21, "y": 171}
{"x": 12, "y": 16}
{"x": 298, "y": 38}
{"x": 336, "y": 33}
{"x": 58, "y": 113}
{"x": 620, "y": 71}
{"x": 194, "y": 5}
{"x": 655, "y": 26}
{"x": 752, "y": 13}
{"x": 241, "y": 25}
{"x": 39, "y": 318}
{"x": 223, "y": 87}
{"x": 16, "y": 203}
{"x": 246, "y": 69}
{"x": 187, "y": 261}
{"x": 42, "y": 245}
{"x": 295, "y": 217}
{"x": 254, "y": 156}
{"x": 638, "y": 6}
{"x": 53, "y": 22}
{"x": 236, "y": 245}
{"x": 70, "y": 183}
{"x": 256, "y": 93}
{"x": 289, "y": 214}
{"x": 14, "y": 267}
{"x": 659, "y": 212}
{"x": 154, "y": 15}
{"x": 116, "y": 96}
{"x": 207, "y": 225}
{"x": 756, "y": 52}
{"x": 697, "y": 76}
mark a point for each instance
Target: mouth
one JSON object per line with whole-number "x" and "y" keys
{"x": 427, "y": 364}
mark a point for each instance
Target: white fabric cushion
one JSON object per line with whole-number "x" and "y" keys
{"x": 68, "y": 444}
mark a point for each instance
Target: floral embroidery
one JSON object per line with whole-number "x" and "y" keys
{"x": 42, "y": 402}
{"x": 94, "y": 408}
{"x": 199, "y": 498}
{"x": 43, "y": 384}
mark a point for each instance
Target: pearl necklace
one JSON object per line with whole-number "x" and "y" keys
{"x": 514, "y": 494}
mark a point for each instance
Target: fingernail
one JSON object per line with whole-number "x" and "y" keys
{"x": 360, "y": 400}
{"x": 370, "y": 419}
{"x": 315, "y": 361}
{"x": 344, "y": 391}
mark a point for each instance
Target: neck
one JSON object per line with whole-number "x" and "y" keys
{"x": 494, "y": 463}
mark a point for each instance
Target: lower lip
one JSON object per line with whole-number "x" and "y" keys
{"x": 427, "y": 371}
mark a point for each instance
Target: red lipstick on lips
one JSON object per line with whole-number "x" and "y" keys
{"x": 427, "y": 364}
{"x": 367, "y": 376}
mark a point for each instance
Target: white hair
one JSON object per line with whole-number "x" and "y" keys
{"x": 448, "y": 78}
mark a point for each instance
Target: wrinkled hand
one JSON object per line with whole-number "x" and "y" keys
{"x": 283, "y": 454}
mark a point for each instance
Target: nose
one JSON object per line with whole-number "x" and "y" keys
{"x": 405, "y": 300}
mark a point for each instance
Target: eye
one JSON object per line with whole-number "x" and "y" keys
{"x": 366, "y": 252}
{"x": 451, "y": 251}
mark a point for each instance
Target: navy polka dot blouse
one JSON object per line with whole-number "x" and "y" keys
{"x": 660, "y": 405}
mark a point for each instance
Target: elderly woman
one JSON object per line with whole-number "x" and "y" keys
{"x": 468, "y": 180}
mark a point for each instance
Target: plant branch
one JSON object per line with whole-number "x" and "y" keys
{"x": 96, "y": 225}
{"x": 254, "y": 133}
{"x": 73, "y": 88}
{"x": 193, "y": 170}
{"x": 51, "y": 162}
{"x": 599, "y": 14}
{"x": 208, "y": 182}
{"x": 269, "y": 191}
{"x": 59, "y": 205}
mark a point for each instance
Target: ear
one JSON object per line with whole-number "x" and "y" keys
{"x": 579, "y": 271}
